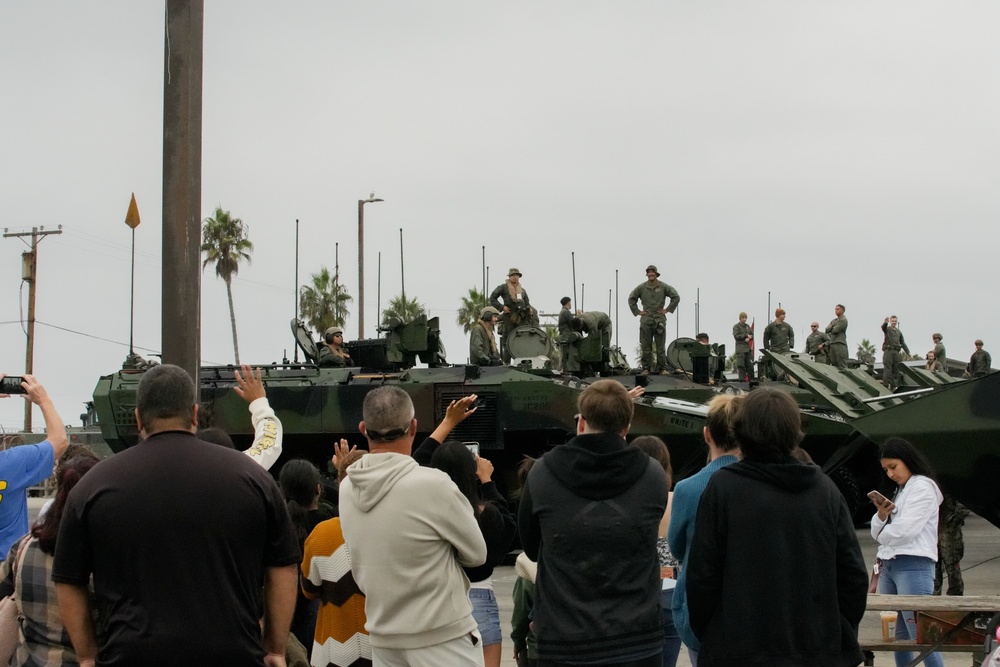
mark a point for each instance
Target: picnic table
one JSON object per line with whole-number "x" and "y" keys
{"x": 973, "y": 606}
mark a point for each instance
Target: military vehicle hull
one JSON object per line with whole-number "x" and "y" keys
{"x": 520, "y": 414}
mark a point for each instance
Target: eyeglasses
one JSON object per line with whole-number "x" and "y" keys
{"x": 386, "y": 436}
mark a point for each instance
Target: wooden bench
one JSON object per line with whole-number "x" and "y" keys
{"x": 972, "y": 605}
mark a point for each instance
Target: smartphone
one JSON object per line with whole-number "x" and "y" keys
{"x": 12, "y": 385}
{"x": 472, "y": 447}
{"x": 878, "y": 498}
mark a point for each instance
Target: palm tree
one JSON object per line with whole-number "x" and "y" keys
{"x": 402, "y": 310}
{"x": 866, "y": 352}
{"x": 323, "y": 304}
{"x": 468, "y": 313}
{"x": 731, "y": 363}
{"x": 226, "y": 244}
{"x": 555, "y": 354}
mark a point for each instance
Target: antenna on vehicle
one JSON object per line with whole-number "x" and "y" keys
{"x": 402, "y": 277}
{"x": 484, "y": 272}
{"x": 617, "y": 302}
{"x": 583, "y": 294}
{"x": 573, "y": 258}
{"x": 378, "y": 295}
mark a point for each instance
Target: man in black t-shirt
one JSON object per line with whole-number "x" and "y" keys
{"x": 188, "y": 544}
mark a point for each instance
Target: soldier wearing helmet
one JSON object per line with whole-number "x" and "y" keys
{"x": 653, "y": 294}
{"x": 331, "y": 350}
{"x": 482, "y": 345}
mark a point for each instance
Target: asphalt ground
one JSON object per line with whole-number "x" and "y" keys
{"x": 981, "y": 573}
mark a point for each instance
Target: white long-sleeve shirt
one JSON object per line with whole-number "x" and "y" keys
{"x": 266, "y": 447}
{"x": 913, "y": 530}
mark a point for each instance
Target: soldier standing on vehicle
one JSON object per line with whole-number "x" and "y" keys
{"x": 891, "y": 359}
{"x": 940, "y": 355}
{"x": 779, "y": 336}
{"x": 482, "y": 345}
{"x": 816, "y": 344}
{"x": 743, "y": 335}
{"x": 565, "y": 329}
{"x": 837, "y": 328}
{"x": 653, "y": 318}
{"x": 511, "y": 300}
{"x": 980, "y": 362}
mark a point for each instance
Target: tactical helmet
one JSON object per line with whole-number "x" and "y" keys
{"x": 488, "y": 311}
{"x": 334, "y": 330}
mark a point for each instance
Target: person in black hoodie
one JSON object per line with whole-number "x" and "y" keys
{"x": 776, "y": 576}
{"x": 589, "y": 516}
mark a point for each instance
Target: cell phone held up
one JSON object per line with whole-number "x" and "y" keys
{"x": 12, "y": 385}
{"x": 878, "y": 499}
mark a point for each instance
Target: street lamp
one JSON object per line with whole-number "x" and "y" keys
{"x": 361, "y": 262}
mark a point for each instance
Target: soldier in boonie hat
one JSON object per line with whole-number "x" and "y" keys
{"x": 514, "y": 272}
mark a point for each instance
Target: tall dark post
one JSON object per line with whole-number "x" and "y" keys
{"x": 361, "y": 262}
{"x": 180, "y": 326}
{"x": 295, "y": 295}
{"x": 402, "y": 270}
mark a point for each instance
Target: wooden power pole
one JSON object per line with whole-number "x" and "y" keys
{"x": 29, "y": 270}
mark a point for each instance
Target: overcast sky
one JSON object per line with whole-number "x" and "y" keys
{"x": 817, "y": 152}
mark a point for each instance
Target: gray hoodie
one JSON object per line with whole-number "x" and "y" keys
{"x": 409, "y": 531}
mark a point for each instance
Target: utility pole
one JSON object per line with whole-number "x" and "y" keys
{"x": 29, "y": 269}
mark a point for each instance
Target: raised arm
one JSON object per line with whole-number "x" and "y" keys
{"x": 55, "y": 431}
{"x": 268, "y": 434}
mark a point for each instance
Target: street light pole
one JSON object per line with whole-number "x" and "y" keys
{"x": 361, "y": 262}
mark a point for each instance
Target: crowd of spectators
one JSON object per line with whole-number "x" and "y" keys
{"x": 177, "y": 551}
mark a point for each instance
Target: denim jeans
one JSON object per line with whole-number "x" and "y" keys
{"x": 908, "y": 575}
{"x": 671, "y": 640}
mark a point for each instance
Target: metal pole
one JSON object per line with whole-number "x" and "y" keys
{"x": 180, "y": 325}
{"x": 573, "y": 259}
{"x": 617, "y": 303}
{"x": 583, "y": 294}
{"x": 361, "y": 269}
{"x": 295, "y": 296}
{"x": 336, "y": 283}
{"x": 484, "y": 272}
{"x": 131, "y": 307}
{"x": 402, "y": 273}
{"x": 378, "y": 292}
{"x": 697, "y": 311}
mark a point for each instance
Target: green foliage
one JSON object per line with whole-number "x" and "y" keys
{"x": 323, "y": 304}
{"x": 225, "y": 243}
{"x": 472, "y": 304}
{"x": 866, "y": 352}
{"x": 402, "y": 309}
{"x": 731, "y": 363}
{"x": 552, "y": 331}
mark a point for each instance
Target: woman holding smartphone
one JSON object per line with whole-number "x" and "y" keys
{"x": 906, "y": 529}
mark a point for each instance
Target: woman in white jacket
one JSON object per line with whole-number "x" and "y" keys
{"x": 906, "y": 529}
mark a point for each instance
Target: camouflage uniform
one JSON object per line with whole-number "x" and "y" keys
{"x": 597, "y": 325}
{"x": 778, "y": 337}
{"x": 813, "y": 342}
{"x": 837, "y": 353}
{"x": 566, "y": 334}
{"x": 951, "y": 546}
{"x": 940, "y": 356}
{"x": 979, "y": 363}
{"x": 482, "y": 346}
{"x": 330, "y": 356}
{"x": 744, "y": 359}
{"x": 521, "y": 313}
{"x": 891, "y": 359}
{"x": 653, "y": 325}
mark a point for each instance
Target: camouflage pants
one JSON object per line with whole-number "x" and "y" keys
{"x": 891, "y": 371}
{"x": 744, "y": 365}
{"x": 838, "y": 355}
{"x": 951, "y": 550}
{"x": 653, "y": 331}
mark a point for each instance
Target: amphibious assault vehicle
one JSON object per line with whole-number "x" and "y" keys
{"x": 527, "y": 408}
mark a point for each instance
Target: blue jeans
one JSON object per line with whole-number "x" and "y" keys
{"x": 487, "y": 615}
{"x": 671, "y": 640}
{"x": 908, "y": 575}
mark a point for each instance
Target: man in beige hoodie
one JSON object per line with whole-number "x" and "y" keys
{"x": 409, "y": 530}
